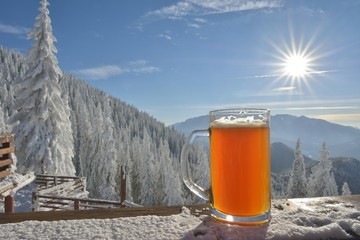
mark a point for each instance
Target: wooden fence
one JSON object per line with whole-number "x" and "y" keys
{"x": 59, "y": 183}
{"x": 53, "y": 193}
{"x": 6, "y": 150}
{"x": 66, "y": 203}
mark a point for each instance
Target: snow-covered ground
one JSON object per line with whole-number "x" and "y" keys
{"x": 291, "y": 219}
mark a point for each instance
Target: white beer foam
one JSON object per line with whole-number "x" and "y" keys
{"x": 232, "y": 121}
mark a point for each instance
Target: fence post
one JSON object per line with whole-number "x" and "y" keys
{"x": 77, "y": 204}
{"x": 9, "y": 204}
{"x": 33, "y": 201}
{"x": 122, "y": 185}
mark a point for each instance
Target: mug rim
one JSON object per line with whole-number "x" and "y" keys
{"x": 240, "y": 108}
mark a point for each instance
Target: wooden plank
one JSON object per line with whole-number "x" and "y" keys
{"x": 97, "y": 201}
{"x": 5, "y": 162}
{"x": 54, "y": 208}
{"x": 53, "y": 176}
{"x": 4, "y": 174}
{"x": 7, "y": 150}
{"x": 41, "y": 202}
{"x": 97, "y": 214}
{"x": 354, "y": 200}
{"x": 6, "y": 138}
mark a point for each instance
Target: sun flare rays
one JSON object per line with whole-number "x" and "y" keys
{"x": 295, "y": 63}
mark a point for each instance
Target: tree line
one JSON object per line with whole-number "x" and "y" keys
{"x": 321, "y": 181}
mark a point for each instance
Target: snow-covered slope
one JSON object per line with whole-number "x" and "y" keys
{"x": 108, "y": 133}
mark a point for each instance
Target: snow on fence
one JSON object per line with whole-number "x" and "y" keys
{"x": 57, "y": 188}
{"x": 59, "y": 185}
{"x": 69, "y": 193}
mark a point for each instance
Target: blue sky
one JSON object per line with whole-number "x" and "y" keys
{"x": 180, "y": 59}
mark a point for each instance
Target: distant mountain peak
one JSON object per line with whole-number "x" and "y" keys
{"x": 287, "y": 129}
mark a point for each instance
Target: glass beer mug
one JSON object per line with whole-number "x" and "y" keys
{"x": 239, "y": 166}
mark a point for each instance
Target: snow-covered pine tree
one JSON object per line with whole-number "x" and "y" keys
{"x": 2, "y": 121}
{"x": 345, "y": 190}
{"x": 171, "y": 182}
{"x": 297, "y": 182}
{"x": 108, "y": 164}
{"x": 137, "y": 158}
{"x": 147, "y": 174}
{"x": 3, "y": 96}
{"x": 128, "y": 173}
{"x": 322, "y": 181}
{"x": 201, "y": 169}
{"x": 43, "y": 136}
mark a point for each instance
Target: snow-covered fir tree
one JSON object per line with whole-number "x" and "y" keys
{"x": 108, "y": 165}
{"x": 3, "y": 94}
{"x": 345, "y": 190}
{"x": 171, "y": 182}
{"x": 297, "y": 182}
{"x": 147, "y": 173}
{"x": 43, "y": 134}
{"x": 2, "y": 121}
{"x": 322, "y": 181}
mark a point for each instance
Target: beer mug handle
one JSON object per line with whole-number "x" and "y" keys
{"x": 185, "y": 169}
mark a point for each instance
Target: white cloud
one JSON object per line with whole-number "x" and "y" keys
{"x": 166, "y": 36}
{"x": 209, "y": 7}
{"x": 194, "y": 25}
{"x": 347, "y": 119}
{"x": 141, "y": 66}
{"x": 104, "y": 72}
{"x": 17, "y": 30}
{"x": 200, "y": 20}
{"x": 323, "y": 104}
{"x": 284, "y": 89}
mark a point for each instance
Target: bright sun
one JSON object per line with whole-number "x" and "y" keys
{"x": 296, "y": 65}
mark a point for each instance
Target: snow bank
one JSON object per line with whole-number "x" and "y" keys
{"x": 145, "y": 227}
{"x": 292, "y": 219}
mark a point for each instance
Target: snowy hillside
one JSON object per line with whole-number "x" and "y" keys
{"x": 108, "y": 133}
{"x": 282, "y": 157}
{"x": 347, "y": 170}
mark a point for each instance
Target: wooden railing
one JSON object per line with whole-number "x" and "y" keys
{"x": 49, "y": 182}
{"x": 352, "y": 201}
{"x": 6, "y": 150}
{"x": 66, "y": 203}
{"x": 67, "y": 193}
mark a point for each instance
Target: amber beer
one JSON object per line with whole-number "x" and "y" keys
{"x": 239, "y": 165}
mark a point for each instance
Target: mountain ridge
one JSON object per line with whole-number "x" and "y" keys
{"x": 312, "y": 132}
